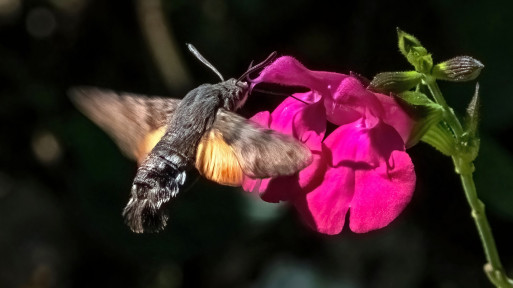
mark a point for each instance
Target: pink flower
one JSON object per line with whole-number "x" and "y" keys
{"x": 361, "y": 167}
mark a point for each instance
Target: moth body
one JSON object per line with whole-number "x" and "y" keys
{"x": 168, "y": 137}
{"x": 161, "y": 175}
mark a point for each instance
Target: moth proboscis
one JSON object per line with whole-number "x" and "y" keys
{"x": 167, "y": 137}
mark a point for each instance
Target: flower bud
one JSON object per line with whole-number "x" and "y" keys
{"x": 458, "y": 69}
{"x": 414, "y": 52}
{"x": 407, "y": 42}
{"x": 395, "y": 82}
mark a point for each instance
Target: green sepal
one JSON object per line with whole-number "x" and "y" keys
{"x": 458, "y": 69}
{"x": 441, "y": 138}
{"x": 472, "y": 116}
{"x": 422, "y": 110}
{"x": 416, "y": 98}
{"x": 395, "y": 82}
{"x": 406, "y": 42}
{"x": 470, "y": 139}
{"x": 414, "y": 52}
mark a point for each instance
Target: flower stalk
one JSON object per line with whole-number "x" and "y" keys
{"x": 463, "y": 164}
{"x": 454, "y": 139}
{"x": 449, "y": 115}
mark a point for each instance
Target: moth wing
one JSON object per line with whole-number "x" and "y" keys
{"x": 135, "y": 122}
{"x": 216, "y": 161}
{"x": 236, "y": 146}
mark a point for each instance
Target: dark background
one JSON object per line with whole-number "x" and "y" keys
{"x": 63, "y": 182}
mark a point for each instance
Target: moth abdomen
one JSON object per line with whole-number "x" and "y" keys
{"x": 156, "y": 182}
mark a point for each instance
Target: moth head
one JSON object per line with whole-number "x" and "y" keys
{"x": 241, "y": 88}
{"x": 236, "y": 93}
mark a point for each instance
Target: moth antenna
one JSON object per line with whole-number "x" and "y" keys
{"x": 281, "y": 94}
{"x": 252, "y": 69}
{"x": 200, "y": 57}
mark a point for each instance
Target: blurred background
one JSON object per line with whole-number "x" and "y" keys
{"x": 64, "y": 183}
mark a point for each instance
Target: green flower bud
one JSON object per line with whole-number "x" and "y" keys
{"x": 395, "y": 82}
{"x": 414, "y": 52}
{"x": 407, "y": 42}
{"x": 459, "y": 69}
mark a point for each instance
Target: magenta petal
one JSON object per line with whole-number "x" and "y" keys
{"x": 288, "y": 71}
{"x": 397, "y": 117}
{"x": 325, "y": 207}
{"x": 306, "y": 122}
{"x": 257, "y": 185}
{"x": 254, "y": 185}
{"x": 263, "y": 118}
{"x": 283, "y": 116}
{"x": 278, "y": 189}
{"x": 382, "y": 193}
{"x": 350, "y": 101}
{"x": 273, "y": 190}
{"x": 351, "y": 145}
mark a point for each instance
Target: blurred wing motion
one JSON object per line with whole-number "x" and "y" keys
{"x": 236, "y": 146}
{"x": 232, "y": 148}
{"x": 135, "y": 122}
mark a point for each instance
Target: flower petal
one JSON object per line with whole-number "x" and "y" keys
{"x": 383, "y": 192}
{"x": 305, "y": 122}
{"x": 396, "y": 116}
{"x": 325, "y": 207}
{"x": 351, "y": 145}
{"x": 256, "y": 185}
{"x": 288, "y": 71}
{"x": 361, "y": 166}
{"x": 351, "y": 101}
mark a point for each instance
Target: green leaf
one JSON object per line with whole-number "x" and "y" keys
{"x": 441, "y": 138}
{"x": 458, "y": 69}
{"x": 395, "y": 82}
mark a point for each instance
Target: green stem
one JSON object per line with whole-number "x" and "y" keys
{"x": 449, "y": 115}
{"x": 465, "y": 168}
{"x": 493, "y": 268}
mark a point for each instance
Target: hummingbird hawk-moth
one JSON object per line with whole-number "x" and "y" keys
{"x": 167, "y": 137}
